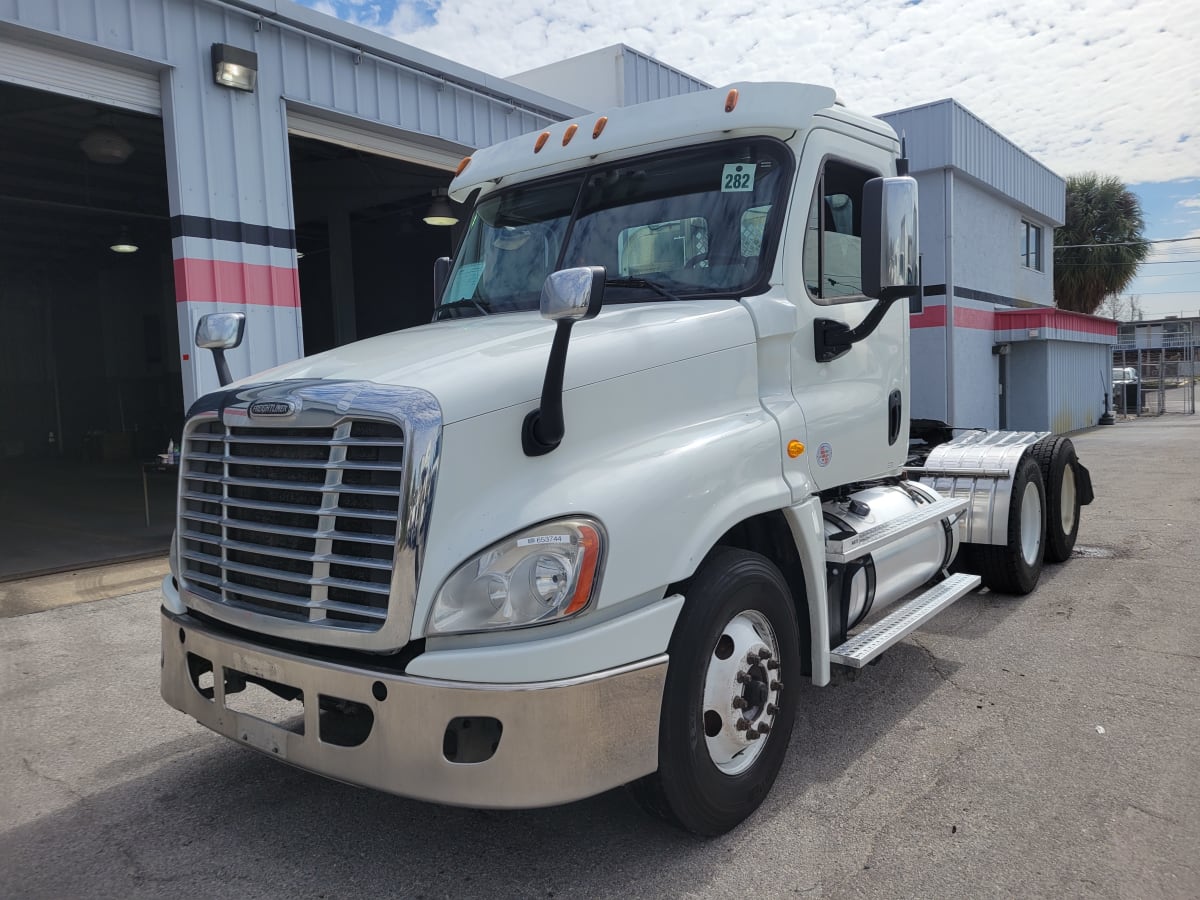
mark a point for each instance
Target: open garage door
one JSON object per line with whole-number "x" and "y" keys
{"x": 90, "y": 387}
{"x": 72, "y": 75}
{"x": 366, "y": 253}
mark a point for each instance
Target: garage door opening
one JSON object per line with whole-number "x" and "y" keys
{"x": 366, "y": 253}
{"x": 90, "y": 384}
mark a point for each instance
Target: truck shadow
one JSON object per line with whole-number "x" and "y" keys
{"x": 201, "y": 814}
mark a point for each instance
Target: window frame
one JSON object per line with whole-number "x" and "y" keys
{"x": 818, "y": 191}
{"x": 1031, "y": 251}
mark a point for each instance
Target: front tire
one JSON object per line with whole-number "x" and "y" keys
{"x": 725, "y": 722}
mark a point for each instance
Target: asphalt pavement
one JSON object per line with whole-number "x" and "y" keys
{"x": 1047, "y": 746}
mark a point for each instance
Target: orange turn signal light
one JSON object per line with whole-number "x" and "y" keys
{"x": 600, "y": 123}
{"x": 541, "y": 141}
{"x": 569, "y": 133}
{"x": 731, "y": 99}
{"x": 588, "y": 564}
{"x": 795, "y": 448}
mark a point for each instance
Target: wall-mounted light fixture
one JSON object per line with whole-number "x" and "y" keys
{"x": 124, "y": 243}
{"x": 440, "y": 211}
{"x": 234, "y": 67}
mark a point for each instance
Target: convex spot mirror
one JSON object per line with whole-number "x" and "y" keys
{"x": 573, "y": 294}
{"x": 220, "y": 331}
{"x": 890, "y": 250}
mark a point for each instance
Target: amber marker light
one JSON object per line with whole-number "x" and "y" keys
{"x": 587, "y": 569}
{"x": 569, "y": 133}
{"x": 795, "y": 448}
{"x": 731, "y": 99}
{"x": 466, "y": 161}
{"x": 600, "y": 123}
{"x": 541, "y": 141}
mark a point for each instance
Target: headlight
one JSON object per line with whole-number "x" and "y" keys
{"x": 543, "y": 574}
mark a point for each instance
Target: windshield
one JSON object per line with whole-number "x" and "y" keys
{"x": 701, "y": 221}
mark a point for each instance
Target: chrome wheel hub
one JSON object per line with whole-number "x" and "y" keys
{"x": 742, "y": 687}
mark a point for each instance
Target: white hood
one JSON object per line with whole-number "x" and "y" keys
{"x": 476, "y": 365}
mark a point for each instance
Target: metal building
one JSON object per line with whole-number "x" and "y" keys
{"x": 989, "y": 350}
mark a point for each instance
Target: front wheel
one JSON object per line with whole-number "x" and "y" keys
{"x": 726, "y": 719}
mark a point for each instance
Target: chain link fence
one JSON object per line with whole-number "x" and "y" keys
{"x": 1155, "y": 381}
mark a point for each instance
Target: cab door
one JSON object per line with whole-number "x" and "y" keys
{"x": 857, "y": 406}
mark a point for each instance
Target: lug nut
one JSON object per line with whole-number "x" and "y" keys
{"x": 752, "y": 735}
{"x": 740, "y": 703}
{"x": 752, "y": 658}
{"x": 741, "y": 725}
{"x": 773, "y": 664}
{"x": 777, "y": 685}
{"x": 764, "y": 653}
{"x": 772, "y": 709}
{"x": 743, "y": 678}
{"x": 764, "y": 728}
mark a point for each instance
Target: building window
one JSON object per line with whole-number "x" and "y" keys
{"x": 1031, "y": 245}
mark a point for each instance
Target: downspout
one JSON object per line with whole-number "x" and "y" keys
{"x": 948, "y": 195}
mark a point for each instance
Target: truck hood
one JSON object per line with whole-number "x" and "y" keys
{"x": 477, "y": 365}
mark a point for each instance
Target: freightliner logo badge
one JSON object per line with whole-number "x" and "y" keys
{"x": 272, "y": 408}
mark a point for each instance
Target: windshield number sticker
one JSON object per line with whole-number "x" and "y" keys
{"x": 544, "y": 539}
{"x": 737, "y": 177}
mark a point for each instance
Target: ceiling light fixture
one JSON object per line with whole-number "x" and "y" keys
{"x": 123, "y": 243}
{"x": 440, "y": 211}
{"x": 106, "y": 146}
{"x": 234, "y": 67}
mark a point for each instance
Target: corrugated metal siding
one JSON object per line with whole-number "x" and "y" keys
{"x": 49, "y": 69}
{"x": 648, "y": 79}
{"x": 946, "y": 133}
{"x": 227, "y": 151}
{"x": 1078, "y": 376}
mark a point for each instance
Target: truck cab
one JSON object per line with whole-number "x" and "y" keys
{"x": 645, "y": 468}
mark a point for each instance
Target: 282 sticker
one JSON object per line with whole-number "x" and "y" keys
{"x": 737, "y": 177}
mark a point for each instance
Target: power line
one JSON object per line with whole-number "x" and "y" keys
{"x": 1125, "y": 243}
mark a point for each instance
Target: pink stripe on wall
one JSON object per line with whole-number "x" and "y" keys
{"x": 964, "y": 317}
{"x": 213, "y": 281}
{"x": 1066, "y": 320}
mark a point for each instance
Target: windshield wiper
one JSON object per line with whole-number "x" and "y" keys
{"x": 461, "y": 304}
{"x": 642, "y": 283}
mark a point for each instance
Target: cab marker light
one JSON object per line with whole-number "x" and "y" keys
{"x": 541, "y": 141}
{"x": 569, "y": 133}
{"x": 600, "y": 123}
{"x": 731, "y": 99}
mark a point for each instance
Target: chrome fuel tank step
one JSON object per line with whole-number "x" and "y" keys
{"x": 908, "y": 617}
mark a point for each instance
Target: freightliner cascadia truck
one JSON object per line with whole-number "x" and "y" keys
{"x": 649, "y": 466}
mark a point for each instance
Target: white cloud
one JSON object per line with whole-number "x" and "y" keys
{"x": 1190, "y": 203}
{"x": 1106, "y": 85}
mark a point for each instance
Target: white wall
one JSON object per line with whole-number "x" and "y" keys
{"x": 987, "y": 249}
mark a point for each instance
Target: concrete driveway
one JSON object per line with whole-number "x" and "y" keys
{"x": 1047, "y": 746}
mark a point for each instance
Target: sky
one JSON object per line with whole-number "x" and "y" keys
{"x": 1111, "y": 86}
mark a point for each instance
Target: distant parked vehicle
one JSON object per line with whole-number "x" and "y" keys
{"x": 1125, "y": 388}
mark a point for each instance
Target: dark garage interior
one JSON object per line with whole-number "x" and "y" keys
{"x": 89, "y": 360}
{"x": 367, "y": 255}
{"x": 90, "y": 384}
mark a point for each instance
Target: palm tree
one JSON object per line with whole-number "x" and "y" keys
{"x": 1098, "y": 250}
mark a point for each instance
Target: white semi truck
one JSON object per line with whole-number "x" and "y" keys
{"x": 486, "y": 571}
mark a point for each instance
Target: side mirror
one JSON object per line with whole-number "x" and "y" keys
{"x": 573, "y": 294}
{"x": 441, "y": 275}
{"x": 568, "y": 296}
{"x": 890, "y": 249}
{"x": 219, "y": 332}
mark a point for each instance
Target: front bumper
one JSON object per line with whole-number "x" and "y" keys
{"x": 560, "y": 740}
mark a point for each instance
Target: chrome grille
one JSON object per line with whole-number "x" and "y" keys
{"x": 297, "y": 523}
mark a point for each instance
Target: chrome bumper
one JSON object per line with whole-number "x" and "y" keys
{"x": 561, "y": 740}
